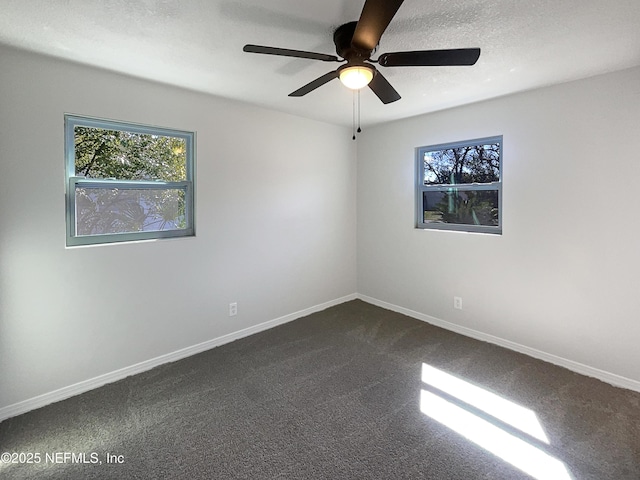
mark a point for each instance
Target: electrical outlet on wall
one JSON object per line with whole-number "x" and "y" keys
{"x": 457, "y": 303}
{"x": 233, "y": 309}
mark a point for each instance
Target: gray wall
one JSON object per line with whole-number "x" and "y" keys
{"x": 275, "y": 226}
{"x": 562, "y": 280}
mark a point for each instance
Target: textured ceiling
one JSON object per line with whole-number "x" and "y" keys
{"x": 197, "y": 44}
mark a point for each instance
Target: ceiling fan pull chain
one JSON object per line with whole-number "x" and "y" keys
{"x": 353, "y": 122}
{"x": 359, "y": 129}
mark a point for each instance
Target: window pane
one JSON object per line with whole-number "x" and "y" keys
{"x": 123, "y": 155}
{"x": 112, "y": 210}
{"x": 461, "y": 165}
{"x": 475, "y": 207}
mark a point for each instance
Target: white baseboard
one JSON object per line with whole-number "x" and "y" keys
{"x": 607, "y": 377}
{"x": 92, "y": 383}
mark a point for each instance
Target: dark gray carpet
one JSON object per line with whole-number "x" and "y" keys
{"x": 335, "y": 395}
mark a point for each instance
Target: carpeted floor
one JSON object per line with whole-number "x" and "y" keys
{"x": 336, "y": 395}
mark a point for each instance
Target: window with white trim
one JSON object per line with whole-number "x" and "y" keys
{"x": 127, "y": 182}
{"x": 459, "y": 186}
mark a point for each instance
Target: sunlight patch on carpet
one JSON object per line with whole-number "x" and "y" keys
{"x": 517, "y": 451}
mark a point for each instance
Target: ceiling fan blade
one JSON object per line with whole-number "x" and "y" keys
{"x": 383, "y": 89}
{"x": 430, "y": 58}
{"x": 374, "y": 19}
{"x": 311, "y": 86}
{"x": 285, "y": 52}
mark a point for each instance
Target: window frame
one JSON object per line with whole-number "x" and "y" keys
{"x": 72, "y": 182}
{"x": 421, "y": 188}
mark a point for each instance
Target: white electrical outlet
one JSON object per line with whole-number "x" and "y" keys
{"x": 233, "y": 309}
{"x": 457, "y": 303}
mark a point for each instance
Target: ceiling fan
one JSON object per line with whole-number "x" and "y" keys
{"x": 355, "y": 43}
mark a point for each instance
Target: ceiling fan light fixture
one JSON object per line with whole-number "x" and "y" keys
{"x": 356, "y": 77}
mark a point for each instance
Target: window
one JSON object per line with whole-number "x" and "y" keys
{"x": 459, "y": 186}
{"x": 127, "y": 182}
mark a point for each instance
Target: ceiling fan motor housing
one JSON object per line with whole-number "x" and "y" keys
{"x": 342, "y": 38}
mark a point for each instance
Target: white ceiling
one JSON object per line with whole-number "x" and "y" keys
{"x": 197, "y": 44}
